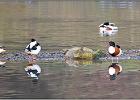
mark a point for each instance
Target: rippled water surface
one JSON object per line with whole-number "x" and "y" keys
{"x": 59, "y": 24}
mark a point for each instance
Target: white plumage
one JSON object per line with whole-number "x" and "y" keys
{"x": 115, "y": 69}
{"x": 111, "y": 49}
{"x": 31, "y": 44}
{"x": 2, "y": 63}
{"x": 33, "y": 47}
{"x": 35, "y": 52}
{"x": 111, "y": 71}
{"x": 2, "y": 49}
{"x": 108, "y": 29}
{"x": 120, "y": 68}
{"x": 31, "y": 68}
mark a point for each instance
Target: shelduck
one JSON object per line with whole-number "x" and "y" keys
{"x": 33, "y": 48}
{"x": 2, "y": 49}
{"x": 33, "y": 70}
{"x": 114, "y": 70}
{"x": 2, "y": 64}
{"x": 107, "y": 29}
{"x": 114, "y": 50}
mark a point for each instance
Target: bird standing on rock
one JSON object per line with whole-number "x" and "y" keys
{"x": 114, "y": 50}
{"x": 33, "y": 48}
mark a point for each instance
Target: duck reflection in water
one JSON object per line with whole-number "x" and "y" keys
{"x": 2, "y": 49}
{"x": 2, "y": 64}
{"x": 33, "y": 70}
{"x": 114, "y": 70}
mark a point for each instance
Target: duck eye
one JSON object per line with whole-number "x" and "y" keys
{"x": 112, "y": 25}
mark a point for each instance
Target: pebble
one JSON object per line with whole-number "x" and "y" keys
{"x": 59, "y": 55}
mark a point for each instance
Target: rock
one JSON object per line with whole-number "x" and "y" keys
{"x": 81, "y": 53}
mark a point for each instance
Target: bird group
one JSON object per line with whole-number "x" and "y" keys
{"x": 109, "y": 29}
{"x": 33, "y": 49}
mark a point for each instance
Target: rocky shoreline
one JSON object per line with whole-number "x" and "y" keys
{"x": 59, "y": 56}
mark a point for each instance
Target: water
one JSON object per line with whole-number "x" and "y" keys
{"x": 59, "y": 24}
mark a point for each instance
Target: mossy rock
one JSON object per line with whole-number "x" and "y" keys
{"x": 83, "y": 53}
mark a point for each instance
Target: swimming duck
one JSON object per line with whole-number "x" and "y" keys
{"x": 114, "y": 50}
{"x": 33, "y": 70}
{"x": 114, "y": 70}
{"x": 2, "y": 49}
{"x": 33, "y": 48}
{"x": 107, "y": 29}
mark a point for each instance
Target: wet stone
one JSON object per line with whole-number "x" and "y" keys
{"x": 59, "y": 55}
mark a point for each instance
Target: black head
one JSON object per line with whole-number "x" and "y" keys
{"x": 106, "y": 23}
{"x": 118, "y": 46}
{"x": 114, "y": 64}
{"x": 102, "y": 26}
{"x": 32, "y": 40}
{"x": 2, "y": 66}
{"x": 37, "y": 44}
{"x": 2, "y": 47}
{"x": 32, "y": 71}
{"x": 113, "y": 77}
{"x": 111, "y": 43}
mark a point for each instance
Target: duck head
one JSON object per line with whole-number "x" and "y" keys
{"x": 32, "y": 40}
{"x": 106, "y": 23}
{"x": 2, "y": 49}
{"x": 111, "y": 43}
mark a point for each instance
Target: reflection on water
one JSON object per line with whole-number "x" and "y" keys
{"x": 116, "y": 4}
{"x": 77, "y": 63}
{"x": 114, "y": 70}
{"x": 59, "y": 80}
{"x": 33, "y": 70}
{"x": 2, "y": 64}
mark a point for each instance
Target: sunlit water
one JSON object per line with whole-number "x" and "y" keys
{"x": 59, "y": 24}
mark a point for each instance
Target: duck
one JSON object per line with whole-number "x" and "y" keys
{"x": 33, "y": 48}
{"x": 114, "y": 69}
{"x": 33, "y": 70}
{"x": 2, "y": 63}
{"x": 107, "y": 29}
{"x": 114, "y": 50}
{"x": 2, "y": 49}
